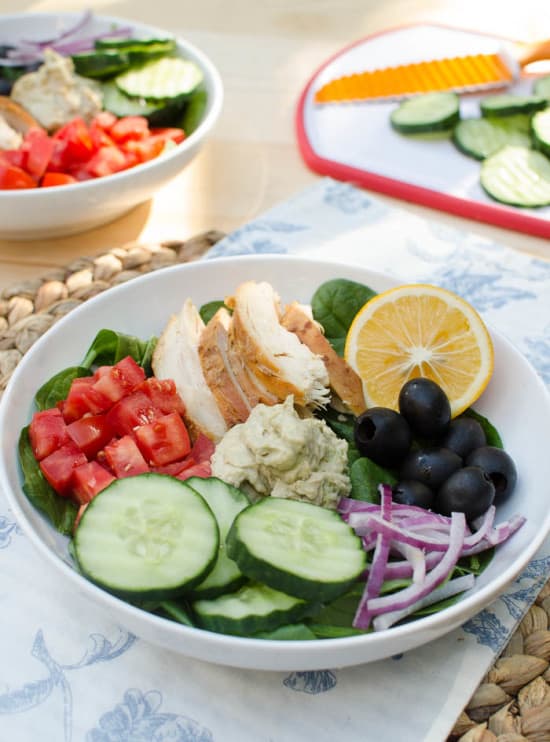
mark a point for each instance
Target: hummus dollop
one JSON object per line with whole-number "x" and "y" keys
{"x": 55, "y": 95}
{"x": 278, "y": 453}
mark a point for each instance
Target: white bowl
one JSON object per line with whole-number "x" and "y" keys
{"x": 516, "y": 401}
{"x": 60, "y": 211}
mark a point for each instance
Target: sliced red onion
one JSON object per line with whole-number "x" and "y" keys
{"x": 411, "y": 594}
{"x": 450, "y": 588}
{"x": 83, "y": 21}
{"x": 402, "y": 570}
{"x": 415, "y": 557}
{"x": 379, "y": 560}
{"x": 362, "y": 523}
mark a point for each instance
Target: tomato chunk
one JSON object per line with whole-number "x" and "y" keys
{"x": 55, "y": 179}
{"x": 90, "y": 433}
{"x": 14, "y": 178}
{"x": 88, "y": 479}
{"x": 58, "y": 467}
{"x": 175, "y": 467}
{"x": 79, "y": 146}
{"x": 38, "y": 149}
{"x": 202, "y": 470}
{"x": 203, "y": 448}
{"x": 83, "y": 398}
{"x": 47, "y": 432}
{"x": 129, "y": 127}
{"x": 132, "y": 411}
{"x": 163, "y": 395}
{"x": 163, "y": 441}
{"x": 106, "y": 161}
{"x": 124, "y": 457}
{"x": 117, "y": 381}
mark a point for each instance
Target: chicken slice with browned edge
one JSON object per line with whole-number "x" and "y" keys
{"x": 276, "y": 357}
{"x": 342, "y": 378}
{"x": 218, "y": 372}
{"x": 176, "y": 357}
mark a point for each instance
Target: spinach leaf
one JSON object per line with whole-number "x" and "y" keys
{"x": 207, "y": 311}
{"x": 341, "y": 423}
{"x": 57, "y": 388}
{"x": 109, "y": 347}
{"x": 60, "y": 510}
{"x": 335, "y": 304}
{"x": 491, "y": 433}
{"x": 289, "y": 632}
{"x": 365, "y": 477}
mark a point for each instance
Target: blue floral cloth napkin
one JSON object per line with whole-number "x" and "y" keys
{"x": 69, "y": 674}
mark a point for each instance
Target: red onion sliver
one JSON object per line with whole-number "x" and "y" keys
{"x": 450, "y": 588}
{"x": 435, "y": 577}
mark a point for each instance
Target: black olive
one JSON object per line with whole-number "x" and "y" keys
{"x": 463, "y": 435}
{"x": 499, "y": 466}
{"x": 409, "y": 492}
{"x": 431, "y": 466}
{"x": 382, "y": 435}
{"x": 469, "y": 490}
{"x": 425, "y": 406}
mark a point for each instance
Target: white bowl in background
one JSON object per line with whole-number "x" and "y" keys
{"x": 39, "y": 213}
{"x": 516, "y": 401}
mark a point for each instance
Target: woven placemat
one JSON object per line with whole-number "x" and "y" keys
{"x": 512, "y": 703}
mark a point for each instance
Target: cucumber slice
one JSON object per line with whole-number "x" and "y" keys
{"x": 507, "y": 104}
{"x": 296, "y": 547}
{"x": 147, "y": 536}
{"x": 517, "y": 176}
{"x": 250, "y": 610}
{"x": 146, "y": 46}
{"x": 540, "y": 126}
{"x": 226, "y": 502}
{"x": 163, "y": 79}
{"x": 427, "y": 112}
{"x": 194, "y": 111}
{"x": 480, "y": 138}
{"x": 100, "y": 65}
{"x": 157, "y": 113}
{"x": 542, "y": 87}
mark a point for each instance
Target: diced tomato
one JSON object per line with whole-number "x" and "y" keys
{"x": 38, "y": 149}
{"x": 100, "y": 135}
{"x": 90, "y": 433}
{"x": 47, "y": 432}
{"x": 79, "y": 144}
{"x": 130, "y": 127}
{"x": 168, "y": 134}
{"x": 132, "y": 411}
{"x": 164, "y": 440}
{"x": 104, "y": 120}
{"x": 88, "y": 479}
{"x": 15, "y": 178}
{"x": 101, "y": 371}
{"x": 203, "y": 448}
{"x": 124, "y": 457}
{"x": 106, "y": 161}
{"x": 83, "y": 398}
{"x": 144, "y": 149}
{"x": 163, "y": 394}
{"x": 58, "y": 467}
{"x": 13, "y": 157}
{"x": 56, "y": 179}
{"x": 202, "y": 470}
{"x": 119, "y": 380}
{"x": 176, "y": 467}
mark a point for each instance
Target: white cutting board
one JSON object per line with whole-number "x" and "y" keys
{"x": 354, "y": 142}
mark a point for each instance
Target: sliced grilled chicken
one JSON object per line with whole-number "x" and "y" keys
{"x": 176, "y": 357}
{"x": 274, "y": 355}
{"x": 218, "y": 372}
{"x": 342, "y": 378}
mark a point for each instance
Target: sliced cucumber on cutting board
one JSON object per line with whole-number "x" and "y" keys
{"x": 517, "y": 176}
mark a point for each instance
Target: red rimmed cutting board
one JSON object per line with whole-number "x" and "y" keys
{"x": 355, "y": 143}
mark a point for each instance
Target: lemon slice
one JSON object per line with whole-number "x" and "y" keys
{"x": 420, "y": 330}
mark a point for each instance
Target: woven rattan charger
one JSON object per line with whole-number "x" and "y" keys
{"x": 512, "y": 703}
